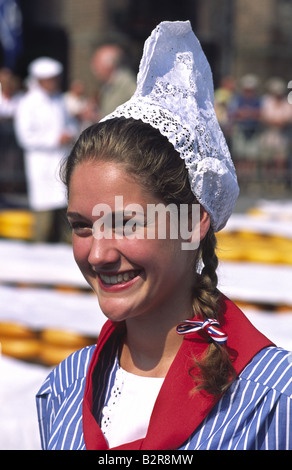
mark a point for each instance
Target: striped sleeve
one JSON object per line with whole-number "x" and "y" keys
{"x": 256, "y": 412}
{"x": 59, "y": 403}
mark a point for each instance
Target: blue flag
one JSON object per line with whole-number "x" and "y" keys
{"x": 10, "y": 31}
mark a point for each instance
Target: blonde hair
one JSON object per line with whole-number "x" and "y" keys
{"x": 154, "y": 162}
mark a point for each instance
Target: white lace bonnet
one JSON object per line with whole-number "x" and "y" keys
{"x": 175, "y": 95}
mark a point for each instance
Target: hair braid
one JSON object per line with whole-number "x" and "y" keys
{"x": 206, "y": 293}
{"x": 216, "y": 371}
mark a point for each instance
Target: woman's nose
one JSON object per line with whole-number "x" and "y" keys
{"x": 103, "y": 254}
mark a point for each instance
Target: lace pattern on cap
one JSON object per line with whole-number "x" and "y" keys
{"x": 203, "y": 170}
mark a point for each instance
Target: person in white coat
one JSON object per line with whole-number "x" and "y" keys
{"x": 44, "y": 130}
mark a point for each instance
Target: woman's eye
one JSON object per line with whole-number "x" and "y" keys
{"x": 82, "y": 229}
{"x": 133, "y": 227}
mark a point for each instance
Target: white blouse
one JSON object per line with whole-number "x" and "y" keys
{"x": 127, "y": 414}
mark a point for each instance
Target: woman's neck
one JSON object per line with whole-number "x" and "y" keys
{"x": 150, "y": 347}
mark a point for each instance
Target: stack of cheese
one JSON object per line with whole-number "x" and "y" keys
{"x": 47, "y": 346}
{"x": 16, "y": 224}
{"x": 263, "y": 235}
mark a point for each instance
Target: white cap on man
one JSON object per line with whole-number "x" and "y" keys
{"x": 45, "y": 67}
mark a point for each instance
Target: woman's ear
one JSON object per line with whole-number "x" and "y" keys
{"x": 199, "y": 224}
{"x": 204, "y": 223}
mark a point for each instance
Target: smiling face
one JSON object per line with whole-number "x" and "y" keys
{"x": 132, "y": 277}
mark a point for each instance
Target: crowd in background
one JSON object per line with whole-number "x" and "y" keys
{"x": 39, "y": 123}
{"x": 11, "y": 162}
{"x": 115, "y": 83}
{"x": 256, "y": 119}
{"x": 257, "y": 122}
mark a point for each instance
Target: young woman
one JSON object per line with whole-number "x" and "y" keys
{"x": 177, "y": 365}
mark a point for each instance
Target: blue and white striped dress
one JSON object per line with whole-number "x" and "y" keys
{"x": 254, "y": 414}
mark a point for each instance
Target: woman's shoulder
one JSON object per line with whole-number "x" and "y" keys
{"x": 272, "y": 368}
{"x": 72, "y": 369}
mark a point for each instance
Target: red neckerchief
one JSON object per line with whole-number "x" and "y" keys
{"x": 177, "y": 413}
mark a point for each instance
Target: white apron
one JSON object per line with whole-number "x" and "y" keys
{"x": 40, "y": 121}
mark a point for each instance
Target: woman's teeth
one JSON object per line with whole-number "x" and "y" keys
{"x": 119, "y": 278}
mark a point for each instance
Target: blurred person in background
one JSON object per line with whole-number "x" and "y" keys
{"x": 45, "y": 130}
{"x": 75, "y": 99}
{"x": 82, "y": 108}
{"x": 276, "y": 115}
{"x": 117, "y": 81}
{"x": 245, "y": 116}
{"x": 11, "y": 158}
{"x": 10, "y": 93}
{"x": 222, "y": 98}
